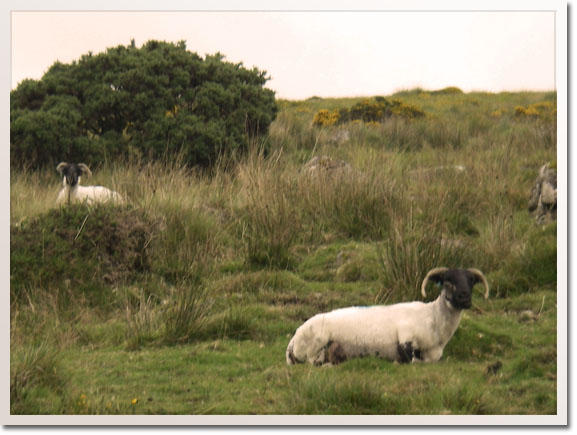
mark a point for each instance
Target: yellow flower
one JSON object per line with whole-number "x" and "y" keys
{"x": 325, "y": 118}
{"x": 82, "y": 402}
{"x": 543, "y": 110}
{"x": 134, "y": 401}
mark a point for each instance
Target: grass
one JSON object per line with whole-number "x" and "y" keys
{"x": 183, "y": 300}
{"x": 244, "y": 376}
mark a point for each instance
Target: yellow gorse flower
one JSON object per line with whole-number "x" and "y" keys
{"x": 545, "y": 110}
{"x": 370, "y": 112}
{"x": 324, "y": 118}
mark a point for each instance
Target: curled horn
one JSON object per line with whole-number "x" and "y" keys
{"x": 432, "y": 272}
{"x": 85, "y": 170}
{"x": 61, "y": 166}
{"x": 479, "y": 275}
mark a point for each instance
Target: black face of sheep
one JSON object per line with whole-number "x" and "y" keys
{"x": 457, "y": 283}
{"x": 72, "y": 172}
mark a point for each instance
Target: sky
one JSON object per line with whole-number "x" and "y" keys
{"x": 325, "y": 54}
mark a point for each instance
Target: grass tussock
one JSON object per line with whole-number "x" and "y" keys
{"x": 412, "y": 250}
{"x": 79, "y": 250}
{"x": 36, "y": 375}
{"x": 269, "y": 221}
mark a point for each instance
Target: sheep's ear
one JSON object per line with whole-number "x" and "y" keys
{"x": 543, "y": 170}
{"x": 436, "y": 275}
{"x": 61, "y": 166}
{"x": 84, "y": 170}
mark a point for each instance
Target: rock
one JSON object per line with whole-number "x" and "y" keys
{"x": 339, "y": 137}
{"x": 326, "y": 164}
{"x": 528, "y": 316}
{"x": 340, "y": 260}
{"x": 543, "y": 199}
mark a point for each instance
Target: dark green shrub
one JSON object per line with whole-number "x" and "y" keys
{"x": 154, "y": 100}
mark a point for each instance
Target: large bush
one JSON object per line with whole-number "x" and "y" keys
{"x": 152, "y": 101}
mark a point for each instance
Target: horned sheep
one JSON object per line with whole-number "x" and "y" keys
{"x": 72, "y": 191}
{"x": 404, "y": 332}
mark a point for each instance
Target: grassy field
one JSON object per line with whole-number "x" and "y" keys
{"x": 183, "y": 300}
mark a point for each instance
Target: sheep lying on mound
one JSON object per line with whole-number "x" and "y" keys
{"x": 405, "y": 332}
{"x": 543, "y": 200}
{"x": 72, "y": 190}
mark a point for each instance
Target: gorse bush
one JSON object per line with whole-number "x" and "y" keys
{"x": 368, "y": 111}
{"x": 325, "y": 118}
{"x": 545, "y": 110}
{"x": 152, "y": 101}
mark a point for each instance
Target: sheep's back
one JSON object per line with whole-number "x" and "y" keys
{"x": 97, "y": 194}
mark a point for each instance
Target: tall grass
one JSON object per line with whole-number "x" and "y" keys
{"x": 269, "y": 221}
{"x": 143, "y": 322}
{"x": 35, "y": 373}
{"x": 186, "y": 313}
{"x": 358, "y": 205}
{"x": 32, "y": 192}
{"x": 412, "y": 249}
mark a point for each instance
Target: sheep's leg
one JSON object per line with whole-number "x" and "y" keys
{"x": 406, "y": 353}
{"x": 335, "y": 353}
{"x": 433, "y": 354}
{"x": 330, "y": 354}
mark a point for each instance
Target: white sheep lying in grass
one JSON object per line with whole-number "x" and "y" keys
{"x": 72, "y": 190}
{"x": 405, "y": 332}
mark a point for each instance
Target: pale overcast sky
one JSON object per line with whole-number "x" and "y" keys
{"x": 317, "y": 53}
